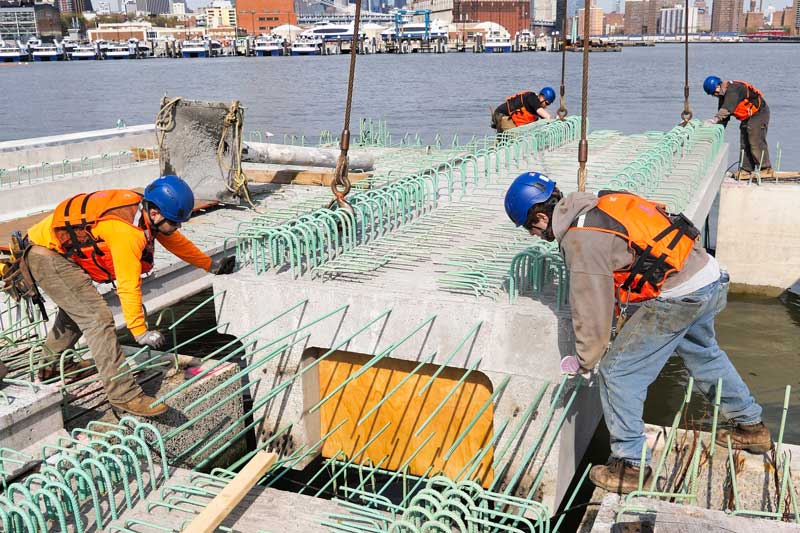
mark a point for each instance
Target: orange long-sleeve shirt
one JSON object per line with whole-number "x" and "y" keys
{"x": 127, "y": 243}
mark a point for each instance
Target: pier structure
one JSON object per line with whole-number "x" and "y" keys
{"x": 404, "y": 358}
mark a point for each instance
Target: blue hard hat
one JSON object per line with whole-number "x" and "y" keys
{"x": 711, "y": 84}
{"x": 526, "y": 191}
{"x": 549, "y": 94}
{"x": 172, "y": 196}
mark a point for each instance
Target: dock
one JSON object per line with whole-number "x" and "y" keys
{"x": 401, "y": 363}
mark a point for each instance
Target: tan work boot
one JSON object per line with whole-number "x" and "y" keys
{"x": 754, "y": 438}
{"x": 617, "y": 476}
{"x": 767, "y": 173}
{"x": 3, "y": 371}
{"x": 140, "y": 406}
{"x": 84, "y": 368}
{"x": 743, "y": 175}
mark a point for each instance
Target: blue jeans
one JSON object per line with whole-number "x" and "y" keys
{"x": 660, "y": 328}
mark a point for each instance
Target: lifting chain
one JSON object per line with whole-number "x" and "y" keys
{"x": 583, "y": 145}
{"x": 340, "y": 186}
{"x": 235, "y": 178}
{"x": 686, "y": 114}
{"x": 562, "y": 108}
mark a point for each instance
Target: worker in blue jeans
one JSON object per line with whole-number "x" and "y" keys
{"x": 622, "y": 249}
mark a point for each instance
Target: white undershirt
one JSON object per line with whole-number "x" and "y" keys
{"x": 705, "y": 276}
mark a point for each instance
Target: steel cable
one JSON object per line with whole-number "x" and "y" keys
{"x": 583, "y": 144}
{"x": 562, "y": 108}
{"x": 686, "y": 114}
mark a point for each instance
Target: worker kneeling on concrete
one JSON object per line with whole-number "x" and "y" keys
{"x": 103, "y": 237}
{"x": 745, "y": 102}
{"x": 522, "y": 108}
{"x": 621, "y": 247}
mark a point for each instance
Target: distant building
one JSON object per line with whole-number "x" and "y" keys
{"x": 544, "y": 10}
{"x": 672, "y": 20}
{"x": 130, "y": 9}
{"x": 513, "y": 15}
{"x": 751, "y": 21}
{"x": 74, "y": 6}
{"x": 17, "y": 23}
{"x": 263, "y": 16}
{"x": 178, "y": 9}
{"x": 103, "y": 8}
{"x": 48, "y": 21}
{"x": 725, "y": 15}
{"x": 788, "y": 19}
{"x": 613, "y": 23}
{"x": 635, "y": 11}
{"x": 154, "y": 7}
{"x": 220, "y": 14}
{"x": 595, "y": 22}
{"x": 703, "y": 16}
{"x": 119, "y": 31}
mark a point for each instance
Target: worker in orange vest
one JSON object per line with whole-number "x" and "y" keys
{"x": 522, "y": 108}
{"x": 109, "y": 237}
{"x": 620, "y": 248}
{"x": 747, "y": 103}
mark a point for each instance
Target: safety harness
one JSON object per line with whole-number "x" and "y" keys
{"x": 747, "y": 107}
{"x": 515, "y": 106}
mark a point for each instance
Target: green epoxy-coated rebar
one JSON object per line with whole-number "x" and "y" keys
{"x": 784, "y": 411}
{"x": 571, "y": 499}
{"x": 435, "y": 411}
{"x": 478, "y": 414}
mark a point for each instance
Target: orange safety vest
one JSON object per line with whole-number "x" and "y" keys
{"x": 660, "y": 242}
{"x": 518, "y": 112}
{"x": 74, "y": 218}
{"x": 747, "y": 107}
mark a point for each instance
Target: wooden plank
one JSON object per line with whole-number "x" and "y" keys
{"x": 298, "y": 177}
{"x": 406, "y": 411}
{"x": 233, "y": 493}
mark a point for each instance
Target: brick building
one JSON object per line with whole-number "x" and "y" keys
{"x": 263, "y": 16}
{"x": 513, "y": 15}
{"x": 726, "y": 15}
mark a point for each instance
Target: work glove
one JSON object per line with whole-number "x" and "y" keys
{"x": 710, "y": 121}
{"x": 223, "y": 265}
{"x": 571, "y": 366}
{"x": 151, "y": 338}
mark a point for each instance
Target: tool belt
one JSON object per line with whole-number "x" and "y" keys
{"x": 17, "y": 279}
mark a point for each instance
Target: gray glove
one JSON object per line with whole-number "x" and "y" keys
{"x": 223, "y": 265}
{"x": 151, "y": 338}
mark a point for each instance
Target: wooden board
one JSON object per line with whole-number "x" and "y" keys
{"x": 298, "y": 177}
{"x": 406, "y": 411}
{"x": 233, "y": 493}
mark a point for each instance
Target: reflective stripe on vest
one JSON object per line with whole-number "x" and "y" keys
{"x": 75, "y": 217}
{"x": 519, "y": 114}
{"x": 660, "y": 242}
{"x": 751, "y": 103}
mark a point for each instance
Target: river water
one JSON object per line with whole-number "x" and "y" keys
{"x": 637, "y": 90}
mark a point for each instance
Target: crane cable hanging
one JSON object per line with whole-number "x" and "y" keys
{"x": 562, "y": 108}
{"x": 340, "y": 186}
{"x": 686, "y": 114}
{"x": 583, "y": 145}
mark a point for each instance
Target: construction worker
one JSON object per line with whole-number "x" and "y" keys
{"x": 105, "y": 237}
{"x": 522, "y": 108}
{"x": 745, "y": 102}
{"x": 620, "y": 247}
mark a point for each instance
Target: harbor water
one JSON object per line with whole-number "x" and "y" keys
{"x": 636, "y": 90}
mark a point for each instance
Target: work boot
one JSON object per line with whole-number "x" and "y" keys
{"x": 617, "y": 476}
{"x": 3, "y": 371}
{"x": 754, "y": 438}
{"x": 83, "y": 367}
{"x": 742, "y": 175}
{"x": 140, "y": 406}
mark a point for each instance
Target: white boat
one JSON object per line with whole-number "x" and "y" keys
{"x": 120, "y": 50}
{"x": 44, "y": 52}
{"x": 83, "y": 52}
{"x": 214, "y": 48}
{"x": 416, "y": 30}
{"x": 12, "y": 52}
{"x": 526, "y": 39}
{"x": 332, "y": 32}
{"x": 194, "y": 48}
{"x": 306, "y": 46}
{"x": 497, "y": 42}
{"x": 268, "y": 45}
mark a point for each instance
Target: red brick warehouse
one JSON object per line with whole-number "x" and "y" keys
{"x": 513, "y": 15}
{"x": 263, "y": 16}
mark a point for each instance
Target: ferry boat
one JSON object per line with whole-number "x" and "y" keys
{"x": 194, "y": 48}
{"x": 12, "y": 52}
{"x": 306, "y": 46}
{"x": 416, "y": 30}
{"x": 526, "y": 39}
{"x": 332, "y": 32}
{"x": 83, "y": 52}
{"x": 120, "y": 50}
{"x": 497, "y": 42}
{"x": 268, "y": 45}
{"x": 214, "y": 48}
{"x": 44, "y": 52}
{"x": 143, "y": 48}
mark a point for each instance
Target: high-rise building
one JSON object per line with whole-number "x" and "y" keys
{"x": 17, "y": 22}
{"x": 703, "y": 16}
{"x": 513, "y": 15}
{"x": 154, "y": 7}
{"x": 220, "y": 14}
{"x": 263, "y": 16}
{"x": 634, "y": 16}
{"x": 751, "y": 21}
{"x": 673, "y": 20}
{"x": 595, "y": 22}
{"x": 544, "y": 10}
{"x": 74, "y": 6}
{"x": 725, "y": 15}
{"x": 796, "y": 11}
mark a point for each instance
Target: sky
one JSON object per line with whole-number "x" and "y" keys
{"x": 607, "y": 5}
